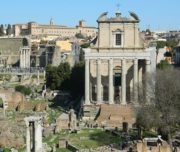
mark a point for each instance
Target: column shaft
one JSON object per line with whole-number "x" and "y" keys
{"x": 20, "y": 58}
{"x": 24, "y": 61}
{"x": 24, "y": 58}
{"x": 147, "y": 82}
{"x": 87, "y": 80}
{"x": 99, "y": 99}
{"x": 135, "y": 81}
{"x": 38, "y": 136}
{"x": 111, "y": 86}
{"x": 123, "y": 82}
{"x": 28, "y": 145}
{"x": 38, "y": 78}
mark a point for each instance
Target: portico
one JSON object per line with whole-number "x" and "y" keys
{"x": 112, "y": 65}
{"x": 111, "y": 61}
{"x": 25, "y": 57}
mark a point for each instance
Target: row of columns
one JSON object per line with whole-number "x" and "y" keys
{"x": 25, "y": 58}
{"x": 3, "y": 62}
{"x": 111, "y": 86}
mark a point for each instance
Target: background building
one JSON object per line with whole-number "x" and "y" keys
{"x": 35, "y": 29}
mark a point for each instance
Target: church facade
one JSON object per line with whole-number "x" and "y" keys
{"x": 117, "y": 63}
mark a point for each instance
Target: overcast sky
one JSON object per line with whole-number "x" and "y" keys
{"x": 156, "y": 14}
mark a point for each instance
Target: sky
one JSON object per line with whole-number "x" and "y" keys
{"x": 154, "y": 14}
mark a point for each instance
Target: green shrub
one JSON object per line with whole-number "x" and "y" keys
{"x": 24, "y": 90}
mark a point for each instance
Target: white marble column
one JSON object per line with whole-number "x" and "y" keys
{"x": 99, "y": 98}
{"x": 111, "y": 86}
{"x": 38, "y": 136}
{"x": 28, "y": 58}
{"x": 20, "y": 58}
{"x": 38, "y": 77}
{"x": 135, "y": 81}
{"x": 44, "y": 74}
{"x": 28, "y": 144}
{"x": 147, "y": 81}
{"x": 87, "y": 80}
{"x": 123, "y": 82}
{"x": 24, "y": 58}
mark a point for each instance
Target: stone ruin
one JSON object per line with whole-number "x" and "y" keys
{"x": 34, "y": 134}
{"x": 66, "y": 121}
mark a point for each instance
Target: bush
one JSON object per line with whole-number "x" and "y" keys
{"x": 163, "y": 65}
{"x": 24, "y": 90}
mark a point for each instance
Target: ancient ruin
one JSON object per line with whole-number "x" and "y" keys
{"x": 33, "y": 134}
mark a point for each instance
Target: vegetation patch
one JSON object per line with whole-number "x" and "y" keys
{"x": 24, "y": 90}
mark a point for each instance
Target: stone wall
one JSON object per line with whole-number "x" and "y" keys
{"x": 9, "y": 48}
{"x": 11, "y": 134}
{"x": 11, "y": 97}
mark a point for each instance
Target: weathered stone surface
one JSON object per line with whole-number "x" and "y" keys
{"x": 11, "y": 135}
{"x": 101, "y": 149}
{"x": 11, "y": 96}
{"x": 48, "y": 131}
{"x": 115, "y": 115}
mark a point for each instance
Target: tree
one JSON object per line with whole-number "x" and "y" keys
{"x": 2, "y": 30}
{"x": 162, "y": 44}
{"x": 81, "y": 55}
{"x": 9, "y": 30}
{"x": 163, "y": 65}
{"x": 163, "y": 112}
{"x": 52, "y": 78}
{"x": 80, "y": 36}
{"x": 77, "y": 80}
{"x": 85, "y": 45}
{"x": 57, "y": 77}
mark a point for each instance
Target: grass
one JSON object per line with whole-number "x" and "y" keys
{"x": 62, "y": 150}
{"x": 92, "y": 138}
{"x": 51, "y": 140}
{"x": 7, "y": 150}
{"x": 87, "y": 138}
{"x": 21, "y": 149}
{"x": 52, "y": 115}
{"x": 149, "y": 134}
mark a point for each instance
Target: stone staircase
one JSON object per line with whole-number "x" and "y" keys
{"x": 115, "y": 115}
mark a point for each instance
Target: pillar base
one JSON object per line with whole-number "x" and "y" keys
{"x": 123, "y": 103}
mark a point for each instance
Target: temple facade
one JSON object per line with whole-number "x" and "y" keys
{"x": 116, "y": 64}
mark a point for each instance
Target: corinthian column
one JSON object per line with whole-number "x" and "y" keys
{"x": 21, "y": 60}
{"x": 135, "y": 81}
{"x": 147, "y": 81}
{"x": 99, "y": 99}
{"x": 24, "y": 58}
{"x": 111, "y": 87}
{"x": 123, "y": 82}
{"x": 87, "y": 102}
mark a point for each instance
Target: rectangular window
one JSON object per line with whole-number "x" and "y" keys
{"x": 118, "y": 39}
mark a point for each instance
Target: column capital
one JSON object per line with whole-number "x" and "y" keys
{"x": 98, "y": 61}
{"x": 135, "y": 61}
